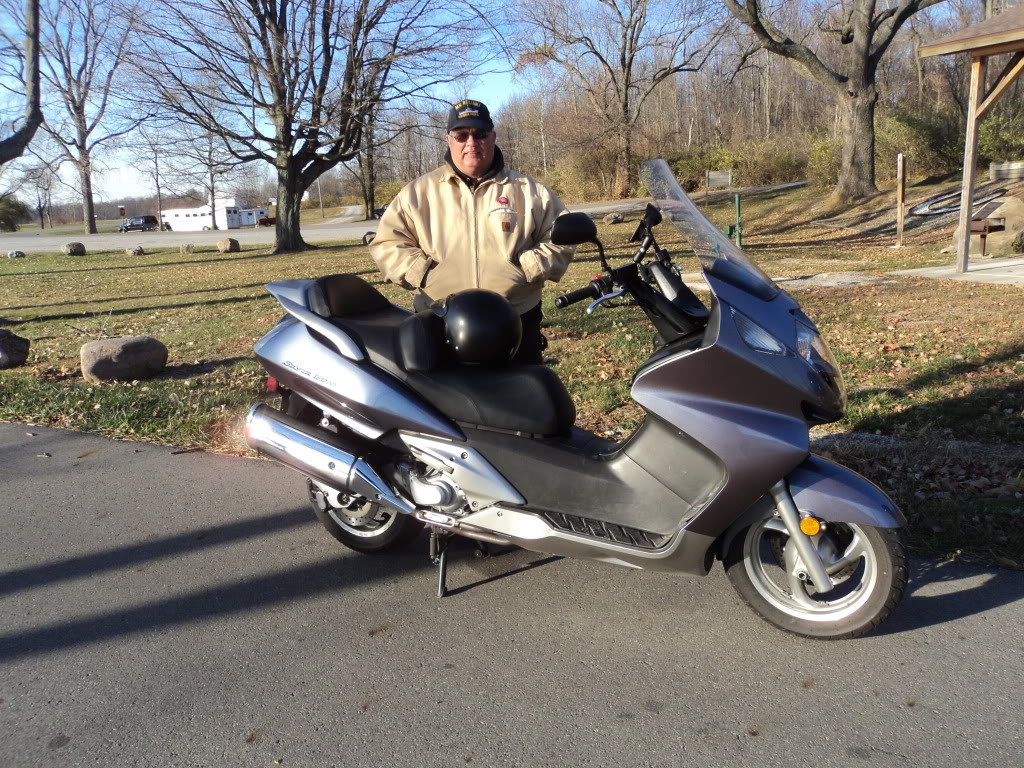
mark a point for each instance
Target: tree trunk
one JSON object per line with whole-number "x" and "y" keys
{"x": 88, "y": 209}
{"x": 213, "y": 201}
{"x": 287, "y": 234}
{"x": 857, "y": 165}
{"x": 623, "y": 163}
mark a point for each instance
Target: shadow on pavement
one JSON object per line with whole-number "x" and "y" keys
{"x": 252, "y": 594}
{"x": 25, "y": 579}
{"x": 977, "y": 595}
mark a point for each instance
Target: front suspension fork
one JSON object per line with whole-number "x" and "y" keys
{"x": 787, "y": 510}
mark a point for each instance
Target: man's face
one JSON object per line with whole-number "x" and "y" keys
{"x": 472, "y": 150}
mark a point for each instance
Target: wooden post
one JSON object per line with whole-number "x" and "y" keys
{"x": 739, "y": 223}
{"x": 963, "y": 243}
{"x": 901, "y": 197}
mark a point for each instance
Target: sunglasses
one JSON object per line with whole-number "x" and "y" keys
{"x": 463, "y": 136}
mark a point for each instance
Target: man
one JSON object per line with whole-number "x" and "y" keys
{"x": 473, "y": 223}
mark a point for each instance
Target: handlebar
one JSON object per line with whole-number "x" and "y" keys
{"x": 591, "y": 291}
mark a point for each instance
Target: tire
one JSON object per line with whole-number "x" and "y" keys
{"x": 206, "y": 229}
{"x": 868, "y": 564}
{"x": 365, "y": 527}
{"x": 361, "y": 525}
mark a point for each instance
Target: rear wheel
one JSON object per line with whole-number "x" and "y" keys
{"x": 867, "y": 565}
{"x": 362, "y": 525}
{"x": 353, "y": 520}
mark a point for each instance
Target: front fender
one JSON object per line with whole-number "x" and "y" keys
{"x": 833, "y": 492}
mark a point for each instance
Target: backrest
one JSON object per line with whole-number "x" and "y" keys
{"x": 340, "y": 295}
{"x": 421, "y": 343}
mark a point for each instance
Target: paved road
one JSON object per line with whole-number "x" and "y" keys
{"x": 340, "y": 228}
{"x": 162, "y": 609}
{"x": 313, "y": 233}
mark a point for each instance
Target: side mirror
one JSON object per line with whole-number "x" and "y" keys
{"x": 573, "y": 229}
{"x": 652, "y": 215}
{"x": 651, "y": 219}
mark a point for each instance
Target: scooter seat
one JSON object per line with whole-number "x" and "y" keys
{"x": 527, "y": 398}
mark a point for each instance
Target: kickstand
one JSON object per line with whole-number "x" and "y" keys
{"x": 439, "y": 557}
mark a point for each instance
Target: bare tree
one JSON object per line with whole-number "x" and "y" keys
{"x": 293, "y": 82}
{"x": 82, "y": 52}
{"x": 40, "y": 178}
{"x": 27, "y": 65}
{"x": 866, "y": 31}
{"x": 618, "y": 52}
{"x": 197, "y": 159}
{"x": 148, "y": 148}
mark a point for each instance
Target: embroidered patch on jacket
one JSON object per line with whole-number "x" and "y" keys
{"x": 507, "y": 217}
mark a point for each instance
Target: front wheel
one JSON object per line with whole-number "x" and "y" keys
{"x": 867, "y": 565}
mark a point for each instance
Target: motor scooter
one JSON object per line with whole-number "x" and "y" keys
{"x": 394, "y": 434}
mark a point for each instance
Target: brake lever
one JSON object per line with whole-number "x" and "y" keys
{"x": 607, "y": 297}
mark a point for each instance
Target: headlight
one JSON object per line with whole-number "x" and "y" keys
{"x": 812, "y": 348}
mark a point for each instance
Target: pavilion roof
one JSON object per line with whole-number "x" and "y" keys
{"x": 1002, "y": 33}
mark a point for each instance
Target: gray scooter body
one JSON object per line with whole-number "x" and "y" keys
{"x": 724, "y": 424}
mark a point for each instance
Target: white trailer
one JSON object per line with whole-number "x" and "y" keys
{"x": 227, "y": 213}
{"x": 250, "y": 217}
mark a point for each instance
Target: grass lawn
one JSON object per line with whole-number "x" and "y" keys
{"x": 926, "y": 362}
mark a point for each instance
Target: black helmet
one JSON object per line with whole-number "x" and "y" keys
{"x": 480, "y": 326}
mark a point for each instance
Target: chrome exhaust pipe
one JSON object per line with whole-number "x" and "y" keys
{"x": 455, "y": 525}
{"x": 318, "y": 455}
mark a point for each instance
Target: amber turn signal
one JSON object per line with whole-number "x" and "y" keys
{"x": 810, "y": 526}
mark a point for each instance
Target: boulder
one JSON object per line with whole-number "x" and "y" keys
{"x": 614, "y": 218}
{"x": 13, "y": 349}
{"x": 186, "y": 249}
{"x": 123, "y": 358}
{"x": 15, "y": 254}
{"x": 135, "y": 251}
{"x": 74, "y": 249}
{"x": 228, "y": 245}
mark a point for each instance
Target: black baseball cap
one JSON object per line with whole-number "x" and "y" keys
{"x": 470, "y": 114}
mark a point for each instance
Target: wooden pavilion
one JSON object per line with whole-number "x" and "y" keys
{"x": 998, "y": 35}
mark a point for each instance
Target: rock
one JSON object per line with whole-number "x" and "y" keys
{"x": 614, "y": 218}
{"x": 13, "y": 349}
{"x": 228, "y": 245}
{"x": 136, "y": 251}
{"x": 123, "y": 358}
{"x": 186, "y": 249}
{"x": 73, "y": 249}
{"x": 15, "y": 254}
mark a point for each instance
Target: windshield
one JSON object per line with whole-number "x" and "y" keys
{"x": 717, "y": 254}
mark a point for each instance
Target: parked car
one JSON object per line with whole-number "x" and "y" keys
{"x": 267, "y": 221}
{"x": 378, "y": 212}
{"x": 140, "y": 224}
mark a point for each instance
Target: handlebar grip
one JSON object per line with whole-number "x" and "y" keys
{"x": 591, "y": 291}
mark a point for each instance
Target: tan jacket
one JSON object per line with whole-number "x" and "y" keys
{"x": 438, "y": 236}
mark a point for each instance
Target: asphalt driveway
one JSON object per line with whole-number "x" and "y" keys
{"x": 183, "y": 609}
